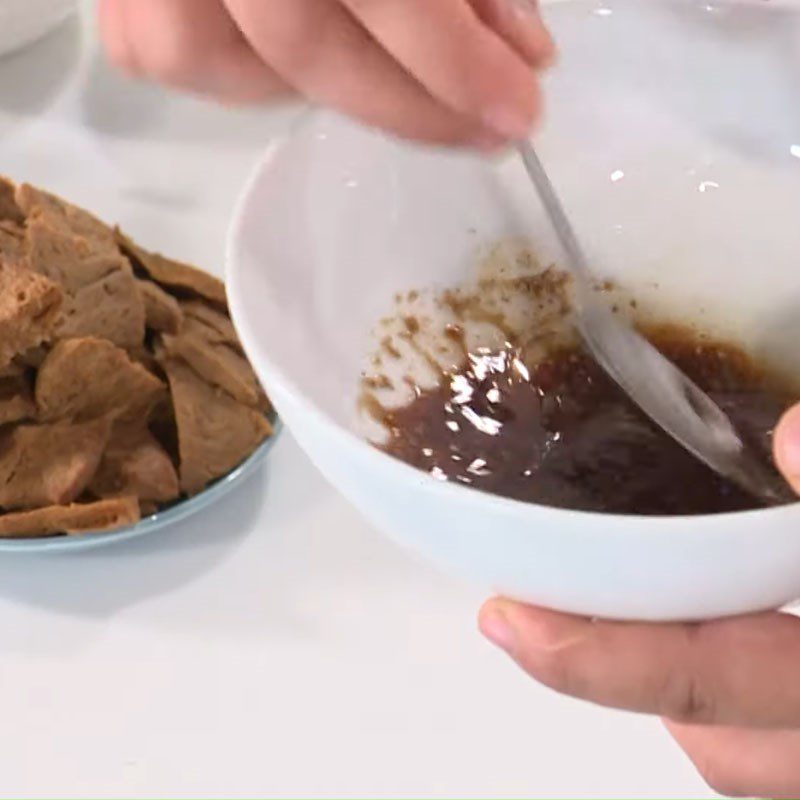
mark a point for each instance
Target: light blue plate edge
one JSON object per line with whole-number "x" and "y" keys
{"x": 180, "y": 511}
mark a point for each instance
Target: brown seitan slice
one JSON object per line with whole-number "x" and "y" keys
{"x": 88, "y": 378}
{"x": 111, "y": 308}
{"x": 66, "y": 258}
{"x": 43, "y": 465}
{"x": 163, "y": 426}
{"x": 66, "y": 217}
{"x": 219, "y": 364}
{"x": 215, "y": 432}
{"x": 12, "y": 241}
{"x": 29, "y": 310}
{"x": 104, "y": 515}
{"x": 12, "y": 370}
{"x": 162, "y": 311}
{"x": 144, "y": 355}
{"x": 135, "y": 464}
{"x": 174, "y": 274}
{"x": 16, "y": 399}
{"x": 219, "y": 327}
{"x": 101, "y": 297}
{"x": 9, "y": 210}
{"x": 32, "y": 358}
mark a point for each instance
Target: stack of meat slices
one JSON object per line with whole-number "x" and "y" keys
{"x": 123, "y": 385}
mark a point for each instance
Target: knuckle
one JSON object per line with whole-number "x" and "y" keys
{"x": 685, "y": 697}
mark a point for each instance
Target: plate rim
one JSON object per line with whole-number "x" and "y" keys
{"x": 177, "y": 512}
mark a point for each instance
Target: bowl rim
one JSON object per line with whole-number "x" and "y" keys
{"x": 624, "y": 524}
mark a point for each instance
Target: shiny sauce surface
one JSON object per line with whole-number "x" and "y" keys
{"x": 561, "y": 433}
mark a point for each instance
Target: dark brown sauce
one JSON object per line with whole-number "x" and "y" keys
{"x": 561, "y": 433}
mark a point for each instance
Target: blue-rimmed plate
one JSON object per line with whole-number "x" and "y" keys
{"x": 176, "y": 512}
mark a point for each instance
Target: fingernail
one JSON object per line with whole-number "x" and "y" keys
{"x": 536, "y": 632}
{"x": 508, "y": 122}
{"x": 549, "y": 631}
{"x": 495, "y": 627}
{"x": 787, "y": 445}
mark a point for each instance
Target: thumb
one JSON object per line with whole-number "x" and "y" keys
{"x": 786, "y": 446}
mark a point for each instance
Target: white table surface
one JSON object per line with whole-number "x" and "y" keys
{"x": 276, "y": 645}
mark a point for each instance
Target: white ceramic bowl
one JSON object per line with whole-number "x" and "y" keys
{"x": 673, "y": 132}
{"x": 22, "y": 22}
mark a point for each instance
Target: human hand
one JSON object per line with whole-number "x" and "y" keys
{"x": 728, "y": 690}
{"x": 449, "y": 71}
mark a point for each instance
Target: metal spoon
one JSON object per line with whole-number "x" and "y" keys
{"x": 653, "y": 382}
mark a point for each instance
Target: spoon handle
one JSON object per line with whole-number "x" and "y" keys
{"x": 579, "y": 266}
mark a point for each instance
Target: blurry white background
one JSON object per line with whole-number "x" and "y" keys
{"x": 23, "y": 22}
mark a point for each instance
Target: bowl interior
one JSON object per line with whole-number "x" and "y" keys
{"x": 672, "y": 132}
